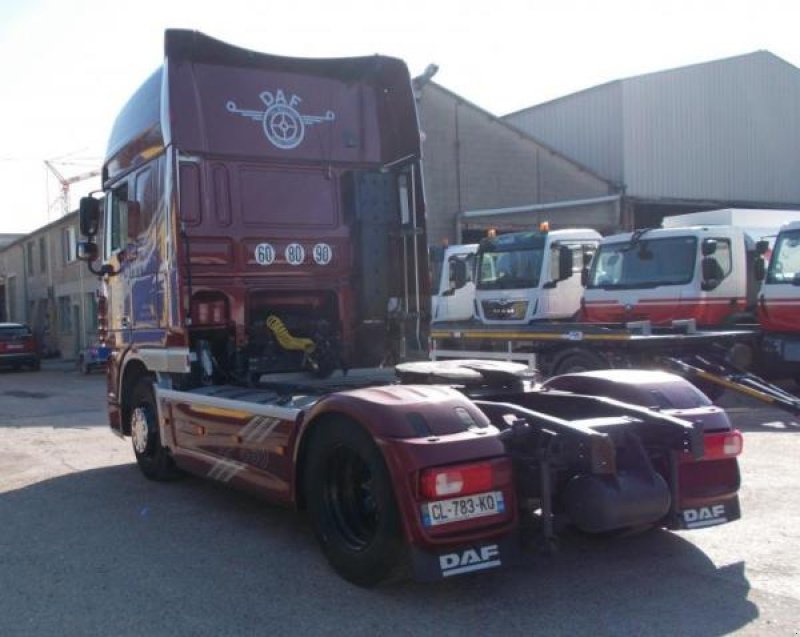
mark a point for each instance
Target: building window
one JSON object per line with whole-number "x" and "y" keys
{"x": 70, "y": 242}
{"x": 42, "y": 254}
{"x": 64, "y": 315}
{"x": 29, "y": 257}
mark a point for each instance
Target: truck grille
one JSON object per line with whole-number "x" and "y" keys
{"x": 505, "y": 310}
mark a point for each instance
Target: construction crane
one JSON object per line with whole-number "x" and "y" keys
{"x": 66, "y": 182}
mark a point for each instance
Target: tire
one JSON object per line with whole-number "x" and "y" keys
{"x": 578, "y": 362}
{"x": 351, "y": 504}
{"x": 152, "y": 457}
{"x": 85, "y": 368}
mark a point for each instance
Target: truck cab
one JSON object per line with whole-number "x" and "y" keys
{"x": 524, "y": 277}
{"x": 779, "y": 304}
{"x": 705, "y": 273}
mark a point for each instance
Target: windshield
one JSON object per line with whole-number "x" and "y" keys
{"x": 644, "y": 264}
{"x": 785, "y": 262}
{"x": 510, "y": 269}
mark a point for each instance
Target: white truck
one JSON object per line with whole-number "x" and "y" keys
{"x": 514, "y": 279}
{"x": 705, "y": 266}
{"x": 779, "y": 306}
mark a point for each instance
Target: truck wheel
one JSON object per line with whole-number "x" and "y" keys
{"x": 578, "y": 362}
{"x": 351, "y": 504}
{"x": 153, "y": 458}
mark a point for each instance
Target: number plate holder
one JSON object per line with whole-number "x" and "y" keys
{"x": 467, "y": 507}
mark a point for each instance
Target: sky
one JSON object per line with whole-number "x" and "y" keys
{"x": 68, "y": 66}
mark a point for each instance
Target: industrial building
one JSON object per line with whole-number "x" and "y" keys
{"x": 722, "y": 134}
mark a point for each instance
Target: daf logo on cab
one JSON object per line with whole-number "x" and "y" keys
{"x": 283, "y": 125}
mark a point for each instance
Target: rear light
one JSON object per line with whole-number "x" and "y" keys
{"x": 718, "y": 446}
{"x": 442, "y": 482}
{"x": 732, "y": 444}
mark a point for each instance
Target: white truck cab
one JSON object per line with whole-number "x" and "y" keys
{"x": 529, "y": 276}
{"x": 780, "y": 295}
{"x": 779, "y": 305}
{"x": 706, "y": 273}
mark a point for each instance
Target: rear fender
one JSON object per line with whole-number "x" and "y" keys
{"x": 414, "y": 427}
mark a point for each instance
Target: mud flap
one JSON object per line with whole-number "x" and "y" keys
{"x": 469, "y": 558}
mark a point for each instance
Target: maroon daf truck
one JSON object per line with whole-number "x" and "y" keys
{"x": 264, "y": 265}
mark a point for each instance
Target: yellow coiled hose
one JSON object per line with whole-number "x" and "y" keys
{"x": 286, "y": 340}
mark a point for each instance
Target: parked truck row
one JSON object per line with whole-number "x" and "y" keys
{"x": 261, "y": 243}
{"x": 703, "y": 270}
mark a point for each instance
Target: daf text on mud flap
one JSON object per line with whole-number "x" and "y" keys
{"x": 704, "y": 516}
{"x": 470, "y": 560}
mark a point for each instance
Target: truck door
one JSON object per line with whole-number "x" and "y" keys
{"x": 117, "y": 296}
{"x": 723, "y": 288}
{"x": 456, "y": 297}
{"x": 135, "y": 290}
{"x": 563, "y": 300}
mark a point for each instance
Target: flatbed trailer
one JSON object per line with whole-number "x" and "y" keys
{"x": 714, "y": 360}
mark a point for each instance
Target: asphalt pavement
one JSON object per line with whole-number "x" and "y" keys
{"x": 89, "y": 547}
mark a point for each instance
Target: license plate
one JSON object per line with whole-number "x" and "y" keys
{"x": 466, "y": 508}
{"x": 14, "y": 346}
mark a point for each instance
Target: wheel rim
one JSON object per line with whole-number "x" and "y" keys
{"x": 140, "y": 429}
{"x": 349, "y": 498}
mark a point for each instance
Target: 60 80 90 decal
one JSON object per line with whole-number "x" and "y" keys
{"x": 293, "y": 254}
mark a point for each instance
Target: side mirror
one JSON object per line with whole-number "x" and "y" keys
{"x": 87, "y": 251}
{"x": 587, "y": 258}
{"x": 710, "y": 272}
{"x": 708, "y": 247}
{"x": 89, "y": 216}
{"x": 584, "y": 276}
{"x": 458, "y": 273}
{"x": 564, "y": 263}
{"x": 133, "y": 213}
{"x": 762, "y": 247}
{"x": 759, "y": 269}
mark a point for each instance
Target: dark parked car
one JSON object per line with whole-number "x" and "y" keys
{"x": 18, "y": 346}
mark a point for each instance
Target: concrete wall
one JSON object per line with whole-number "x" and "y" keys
{"x": 472, "y": 160}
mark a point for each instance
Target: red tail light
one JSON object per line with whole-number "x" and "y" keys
{"x": 465, "y": 479}
{"x": 727, "y": 444}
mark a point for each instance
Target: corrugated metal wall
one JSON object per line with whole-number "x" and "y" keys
{"x": 727, "y": 130}
{"x": 585, "y": 126}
